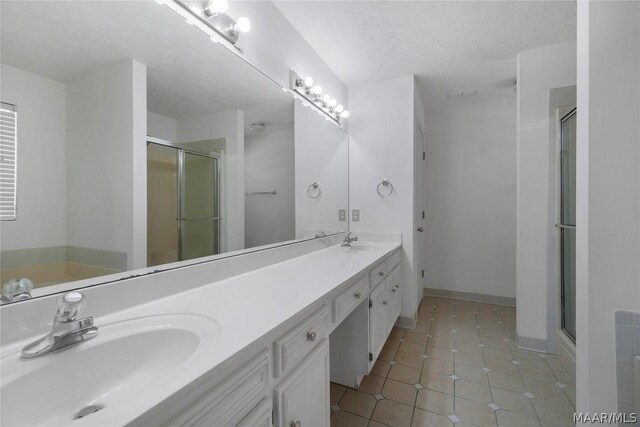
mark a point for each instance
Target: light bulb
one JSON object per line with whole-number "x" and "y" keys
{"x": 317, "y": 90}
{"x": 243, "y": 25}
{"x": 333, "y": 103}
{"x": 344, "y": 114}
{"x": 215, "y": 7}
{"x": 339, "y": 109}
{"x": 326, "y": 98}
{"x": 160, "y": 1}
{"x": 308, "y": 82}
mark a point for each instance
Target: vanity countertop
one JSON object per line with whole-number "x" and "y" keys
{"x": 245, "y": 308}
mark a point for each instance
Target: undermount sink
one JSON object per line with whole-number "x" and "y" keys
{"x": 122, "y": 361}
{"x": 364, "y": 247}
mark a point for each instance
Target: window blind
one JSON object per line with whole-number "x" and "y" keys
{"x": 8, "y": 161}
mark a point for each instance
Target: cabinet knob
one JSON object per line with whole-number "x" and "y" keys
{"x": 384, "y": 303}
{"x": 393, "y": 290}
{"x": 311, "y": 336}
{"x": 295, "y": 424}
{"x": 357, "y": 295}
{"x": 397, "y": 286}
{"x": 381, "y": 273}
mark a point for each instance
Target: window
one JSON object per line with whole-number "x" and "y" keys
{"x": 8, "y": 161}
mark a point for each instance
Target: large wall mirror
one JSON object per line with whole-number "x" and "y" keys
{"x": 142, "y": 143}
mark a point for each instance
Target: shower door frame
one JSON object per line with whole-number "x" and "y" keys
{"x": 180, "y": 151}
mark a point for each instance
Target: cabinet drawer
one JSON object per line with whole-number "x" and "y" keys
{"x": 344, "y": 303}
{"x": 229, "y": 400}
{"x": 292, "y": 347}
{"x": 377, "y": 274}
{"x": 260, "y": 416}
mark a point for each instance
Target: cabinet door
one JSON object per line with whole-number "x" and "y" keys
{"x": 302, "y": 398}
{"x": 378, "y": 319}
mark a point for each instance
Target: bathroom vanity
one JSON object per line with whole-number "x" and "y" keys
{"x": 252, "y": 349}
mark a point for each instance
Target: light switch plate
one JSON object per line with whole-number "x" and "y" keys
{"x": 342, "y": 214}
{"x": 355, "y": 215}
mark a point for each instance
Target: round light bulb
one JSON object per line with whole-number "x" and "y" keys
{"x": 339, "y": 109}
{"x": 317, "y": 90}
{"x": 326, "y": 98}
{"x": 243, "y": 25}
{"x": 344, "y": 114}
{"x": 308, "y": 82}
{"x": 333, "y": 103}
{"x": 215, "y": 7}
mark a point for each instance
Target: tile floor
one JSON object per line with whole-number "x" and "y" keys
{"x": 460, "y": 367}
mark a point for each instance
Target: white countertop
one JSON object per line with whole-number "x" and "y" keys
{"x": 245, "y": 307}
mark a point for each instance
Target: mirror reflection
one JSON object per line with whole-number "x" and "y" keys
{"x": 144, "y": 143}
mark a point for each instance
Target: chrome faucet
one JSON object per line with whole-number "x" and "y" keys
{"x": 67, "y": 329}
{"x": 348, "y": 240}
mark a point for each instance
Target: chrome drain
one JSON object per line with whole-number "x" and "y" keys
{"x": 88, "y": 411}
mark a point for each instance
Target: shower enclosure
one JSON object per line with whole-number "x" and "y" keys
{"x": 183, "y": 203}
{"x": 567, "y": 223}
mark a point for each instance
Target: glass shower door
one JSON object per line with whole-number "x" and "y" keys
{"x": 568, "y": 223}
{"x": 199, "y": 234}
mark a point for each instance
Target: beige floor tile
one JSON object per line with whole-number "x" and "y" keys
{"x": 465, "y": 338}
{"x": 376, "y": 424}
{"x": 380, "y": 368}
{"x": 387, "y": 354}
{"x": 346, "y": 419}
{"x": 409, "y": 359}
{"x": 371, "y": 384}
{"x": 397, "y": 332}
{"x": 515, "y": 402}
{"x": 405, "y": 374}
{"x": 416, "y": 338}
{"x": 543, "y": 390}
{"x": 471, "y": 359}
{"x": 474, "y": 413}
{"x": 358, "y": 403}
{"x": 393, "y": 413}
{"x": 507, "y": 382}
{"x": 507, "y": 368}
{"x": 429, "y": 419}
{"x": 510, "y": 419}
{"x": 556, "y": 413}
{"x": 569, "y": 365}
{"x": 422, "y": 327}
{"x": 439, "y": 352}
{"x": 570, "y": 391}
{"x": 442, "y": 342}
{"x": 477, "y": 392}
{"x": 470, "y": 373}
{"x": 392, "y": 344}
{"x": 494, "y": 342}
{"x": 497, "y": 354}
{"x": 335, "y": 392}
{"x": 437, "y": 382}
{"x": 434, "y": 401}
{"x": 412, "y": 347}
{"x": 538, "y": 370}
{"x": 400, "y": 392}
{"x": 443, "y": 367}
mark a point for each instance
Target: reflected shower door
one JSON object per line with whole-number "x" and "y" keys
{"x": 200, "y": 221}
{"x": 568, "y": 224}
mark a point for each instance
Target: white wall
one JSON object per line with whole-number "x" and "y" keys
{"x": 269, "y": 165}
{"x": 163, "y": 127}
{"x": 106, "y": 153}
{"x": 608, "y": 191}
{"x": 230, "y": 125}
{"x": 381, "y": 145}
{"x": 322, "y": 156}
{"x": 41, "y": 219}
{"x": 471, "y": 197}
{"x": 539, "y": 71}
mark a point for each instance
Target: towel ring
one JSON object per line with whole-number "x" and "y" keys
{"x": 385, "y": 183}
{"x": 314, "y": 190}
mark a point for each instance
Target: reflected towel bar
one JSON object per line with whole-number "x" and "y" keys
{"x": 251, "y": 193}
{"x": 571, "y": 227}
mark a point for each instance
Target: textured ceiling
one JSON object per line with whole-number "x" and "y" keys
{"x": 450, "y": 45}
{"x": 187, "y": 74}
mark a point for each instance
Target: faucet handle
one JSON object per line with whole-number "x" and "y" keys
{"x": 18, "y": 289}
{"x": 70, "y": 306}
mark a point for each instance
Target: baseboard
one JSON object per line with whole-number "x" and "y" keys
{"x": 406, "y": 322}
{"x": 565, "y": 346}
{"x": 532, "y": 344}
{"x": 469, "y": 296}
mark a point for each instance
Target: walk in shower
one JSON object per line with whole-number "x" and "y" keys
{"x": 183, "y": 203}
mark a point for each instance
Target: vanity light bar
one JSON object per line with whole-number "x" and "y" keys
{"x": 324, "y": 104}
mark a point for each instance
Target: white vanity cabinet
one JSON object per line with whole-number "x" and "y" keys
{"x": 302, "y": 398}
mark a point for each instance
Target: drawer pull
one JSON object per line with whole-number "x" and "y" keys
{"x": 381, "y": 273}
{"x": 357, "y": 295}
{"x": 393, "y": 290}
{"x": 384, "y": 302}
{"x": 397, "y": 286}
{"x": 295, "y": 424}
{"x": 311, "y": 336}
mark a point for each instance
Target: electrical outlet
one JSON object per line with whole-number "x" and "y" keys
{"x": 342, "y": 214}
{"x": 355, "y": 215}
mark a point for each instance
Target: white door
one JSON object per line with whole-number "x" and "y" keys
{"x": 419, "y": 214}
{"x": 302, "y": 398}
